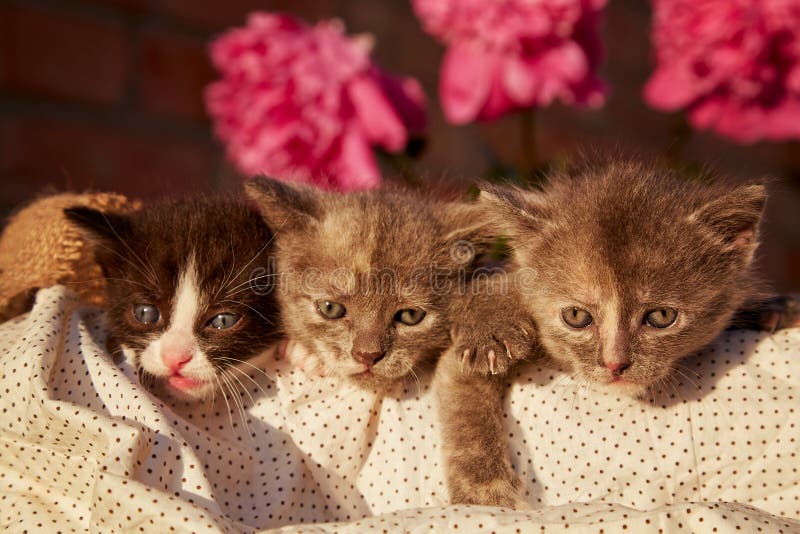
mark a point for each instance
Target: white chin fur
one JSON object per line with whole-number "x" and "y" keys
{"x": 190, "y": 395}
{"x": 625, "y": 388}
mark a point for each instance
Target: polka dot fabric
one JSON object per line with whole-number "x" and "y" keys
{"x": 83, "y": 447}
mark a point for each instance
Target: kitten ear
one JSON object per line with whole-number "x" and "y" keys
{"x": 100, "y": 226}
{"x": 735, "y": 216}
{"x": 469, "y": 222}
{"x": 470, "y": 233}
{"x": 284, "y": 205}
{"x": 518, "y": 210}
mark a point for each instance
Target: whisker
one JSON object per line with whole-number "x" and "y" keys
{"x": 416, "y": 379}
{"x": 248, "y": 306}
{"x": 689, "y": 369}
{"x": 246, "y": 285}
{"x": 227, "y": 279}
{"x": 106, "y": 278}
{"x": 221, "y": 385}
{"x": 243, "y": 388}
{"x": 272, "y": 238}
{"x": 237, "y": 361}
{"x": 686, "y": 377}
{"x": 238, "y": 399}
{"x": 209, "y": 400}
{"x": 682, "y": 369}
{"x": 251, "y": 380}
{"x": 151, "y": 273}
{"x": 148, "y": 276}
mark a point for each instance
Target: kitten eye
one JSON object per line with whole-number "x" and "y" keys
{"x": 221, "y": 321}
{"x": 576, "y": 317}
{"x": 331, "y": 310}
{"x": 661, "y": 317}
{"x": 146, "y": 313}
{"x": 410, "y": 316}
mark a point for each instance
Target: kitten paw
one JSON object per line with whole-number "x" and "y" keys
{"x": 503, "y": 492}
{"x": 493, "y": 353}
{"x": 301, "y": 358}
{"x": 770, "y": 315}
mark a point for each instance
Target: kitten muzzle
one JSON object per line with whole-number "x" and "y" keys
{"x": 368, "y": 358}
{"x": 185, "y": 383}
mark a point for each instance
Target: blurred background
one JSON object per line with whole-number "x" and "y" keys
{"x": 108, "y": 95}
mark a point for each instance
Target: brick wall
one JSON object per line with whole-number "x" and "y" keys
{"x": 107, "y": 94}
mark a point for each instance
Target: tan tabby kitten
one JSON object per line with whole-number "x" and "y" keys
{"x": 367, "y": 279}
{"x": 635, "y": 268}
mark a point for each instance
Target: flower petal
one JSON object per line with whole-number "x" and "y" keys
{"x": 465, "y": 81}
{"x": 354, "y": 167}
{"x": 376, "y": 116}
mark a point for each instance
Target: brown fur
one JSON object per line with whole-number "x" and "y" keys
{"x": 142, "y": 254}
{"x": 375, "y": 253}
{"x": 618, "y": 239}
{"x": 489, "y": 333}
{"x": 474, "y": 447}
{"x": 621, "y": 238}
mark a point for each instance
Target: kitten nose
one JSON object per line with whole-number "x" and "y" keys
{"x": 368, "y": 358}
{"x": 175, "y": 359}
{"x": 617, "y": 366}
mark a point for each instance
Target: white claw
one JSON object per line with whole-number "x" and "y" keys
{"x": 508, "y": 350}
{"x": 492, "y": 362}
{"x": 464, "y": 358}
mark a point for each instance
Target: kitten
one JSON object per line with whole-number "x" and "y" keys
{"x": 634, "y": 269}
{"x": 189, "y": 290}
{"x": 367, "y": 278}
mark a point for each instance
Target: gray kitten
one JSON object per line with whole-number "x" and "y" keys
{"x": 635, "y": 268}
{"x": 367, "y": 279}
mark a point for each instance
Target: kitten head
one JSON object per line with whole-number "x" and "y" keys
{"x": 188, "y": 286}
{"x": 365, "y": 277}
{"x": 635, "y": 267}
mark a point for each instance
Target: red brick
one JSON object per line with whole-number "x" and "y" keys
{"x": 54, "y": 54}
{"x": 174, "y": 71}
{"x": 37, "y": 153}
{"x": 219, "y": 14}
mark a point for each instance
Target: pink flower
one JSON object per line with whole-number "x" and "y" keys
{"x": 733, "y": 64}
{"x": 505, "y": 55}
{"x": 306, "y": 103}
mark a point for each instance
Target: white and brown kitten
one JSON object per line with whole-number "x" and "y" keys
{"x": 367, "y": 278}
{"x": 633, "y": 269}
{"x": 189, "y": 289}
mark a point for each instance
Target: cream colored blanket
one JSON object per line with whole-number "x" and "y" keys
{"x": 83, "y": 447}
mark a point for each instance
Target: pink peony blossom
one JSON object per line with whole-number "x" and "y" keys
{"x": 505, "y": 55}
{"x": 306, "y": 103}
{"x": 733, "y": 64}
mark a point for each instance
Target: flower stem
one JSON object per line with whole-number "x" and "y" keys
{"x": 528, "y": 144}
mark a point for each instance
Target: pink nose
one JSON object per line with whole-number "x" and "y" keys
{"x": 175, "y": 359}
{"x": 617, "y": 366}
